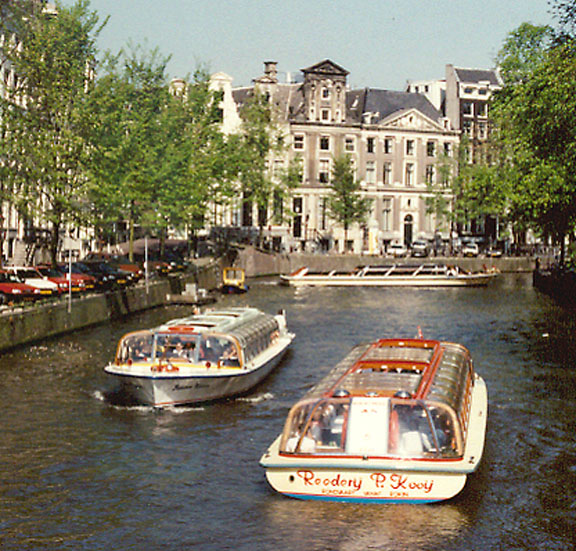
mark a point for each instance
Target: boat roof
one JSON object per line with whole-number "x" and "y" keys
{"x": 415, "y": 368}
{"x": 221, "y": 321}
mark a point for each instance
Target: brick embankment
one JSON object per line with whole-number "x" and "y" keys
{"x": 257, "y": 263}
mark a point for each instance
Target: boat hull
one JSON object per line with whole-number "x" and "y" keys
{"x": 476, "y": 280}
{"x": 361, "y": 485}
{"x": 180, "y": 388}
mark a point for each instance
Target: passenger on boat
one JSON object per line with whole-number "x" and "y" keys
{"x": 230, "y": 355}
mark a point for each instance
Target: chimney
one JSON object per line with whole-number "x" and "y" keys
{"x": 270, "y": 70}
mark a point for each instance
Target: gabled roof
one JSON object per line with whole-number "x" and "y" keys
{"x": 326, "y": 67}
{"x": 383, "y": 103}
{"x": 477, "y": 75}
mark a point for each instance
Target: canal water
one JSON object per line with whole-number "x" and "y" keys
{"x": 80, "y": 471}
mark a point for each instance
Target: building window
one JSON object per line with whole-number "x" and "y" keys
{"x": 430, "y": 173}
{"x": 431, "y": 149}
{"x": 349, "y": 144}
{"x": 483, "y": 91}
{"x": 482, "y": 130}
{"x": 448, "y": 149}
{"x": 409, "y": 176}
{"x": 324, "y": 173}
{"x": 325, "y": 93}
{"x": 370, "y": 172}
{"x": 467, "y": 108}
{"x": 370, "y": 145}
{"x": 325, "y": 114}
{"x": 467, "y": 127}
{"x": 482, "y": 109}
{"x": 298, "y": 141}
{"x": 387, "y": 174}
{"x": 387, "y": 145}
{"x": 325, "y": 143}
{"x": 386, "y": 214}
{"x": 409, "y": 147}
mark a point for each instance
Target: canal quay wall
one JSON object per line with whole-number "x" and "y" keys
{"x": 25, "y": 324}
{"x": 258, "y": 263}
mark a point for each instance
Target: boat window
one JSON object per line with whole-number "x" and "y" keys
{"x": 177, "y": 347}
{"x": 219, "y": 350}
{"x": 135, "y": 347}
{"x": 316, "y": 427}
{"x": 420, "y": 430}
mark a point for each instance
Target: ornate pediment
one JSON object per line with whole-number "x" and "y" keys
{"x": 411, "y": 119}
{"x": 326, "y": 68}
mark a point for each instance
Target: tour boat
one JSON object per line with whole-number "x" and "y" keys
{"x": 233, "y": 281}
{"x": 408, "y": 275}
{"x": 395, "y": 421}
{"x": 204, "y": 357}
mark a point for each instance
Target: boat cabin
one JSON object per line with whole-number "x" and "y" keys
{"x": 393, "y": 398}
{"x": 224, "y": 338}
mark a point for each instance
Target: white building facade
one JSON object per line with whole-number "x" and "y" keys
{"x": 395, "y": 140}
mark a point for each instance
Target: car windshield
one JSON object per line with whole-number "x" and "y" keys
{"x": 29, "y": 274}
{"x": 6, "y": 277}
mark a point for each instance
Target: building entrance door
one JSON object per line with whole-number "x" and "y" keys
{"x": 408, "y": 229}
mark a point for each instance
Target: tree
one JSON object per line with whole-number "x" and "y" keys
{"x": 159, "y": 158}
{"x": 565, "y": 12}
{"x": 523, "y": 50}
{"x": 43, "y": 115}
{"x": 261, "y": 138}
{"x": 345, "y": 204}
{"x": 536, "y": 130}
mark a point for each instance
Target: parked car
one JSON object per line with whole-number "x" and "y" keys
{"x": 397, "y": 250}
{"x": 13, "y": 290}
{"x": 33, "y": 277}
{"x": 110, "y": 275}
{"x": 86, "y": 281}
{"x": 470, "y": 249}
{"x": 117, "y": 261}
{"x": 494, "y": 252}
{"x": 103, "y": 281}
{"x": 420, "y": 248}
{"x": 61, "y": 279}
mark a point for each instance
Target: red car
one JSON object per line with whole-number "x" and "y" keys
{"x": 13, "y": 290}
{"x": 86, "y": 281}
{"x": 61, "y": 279}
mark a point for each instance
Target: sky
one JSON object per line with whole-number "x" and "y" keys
{"x": 382, "y": 43}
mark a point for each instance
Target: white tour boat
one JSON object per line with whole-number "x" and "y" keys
{"x": 406, "y": 275}
{"x": 204, "y": 357}
{"x": 395, "y": 421}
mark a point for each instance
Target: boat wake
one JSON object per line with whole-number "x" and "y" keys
{"x": 257, "y": 399}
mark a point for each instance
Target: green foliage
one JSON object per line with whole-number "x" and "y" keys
{"x": 261, "y": 140}
{"x": 536, "y": 132}
{"x": 523, "y": 50}
{"x": 43, "y": 116}
{"x": 345, "y": 204}
{"x": 156, "y": 153}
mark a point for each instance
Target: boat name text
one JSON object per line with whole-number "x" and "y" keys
{"x": 393, "y": 482}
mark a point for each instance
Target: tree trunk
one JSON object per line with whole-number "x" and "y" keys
{"x": 54, "y": 242}
{"x": 131, "y": 239}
